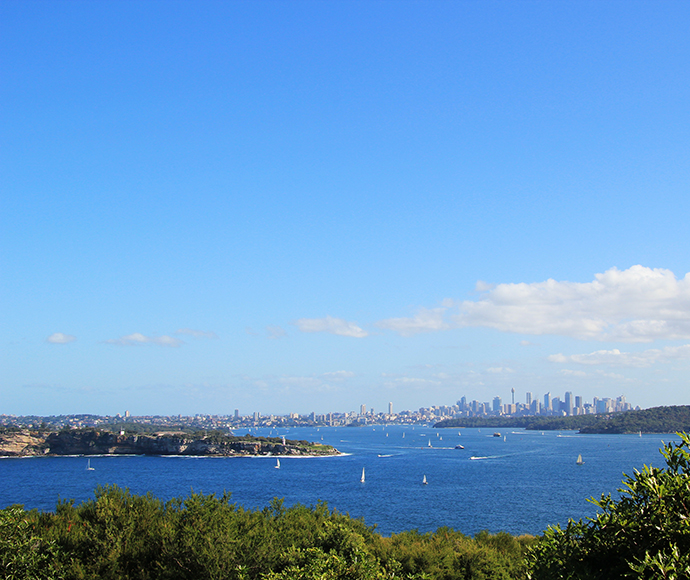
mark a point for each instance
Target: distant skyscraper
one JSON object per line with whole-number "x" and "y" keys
{"x": 390, "y": 408}
{"x": 578, "y": 402}
{"x": 556, "y": 405}
{"x": 512, "y": 392}
{"x": 547, "y": 401}
{"x": 528, "y": 398}
{"x": 363, "y": 410}
{"x": 237, "y": 413}
{"x": 568, "y": 403}
{"x": 497, "y": 404}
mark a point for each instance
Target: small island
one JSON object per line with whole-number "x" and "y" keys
{"x": 26, "y": 443}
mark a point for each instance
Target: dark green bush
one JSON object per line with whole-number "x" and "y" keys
{"x": 645, "y": 534}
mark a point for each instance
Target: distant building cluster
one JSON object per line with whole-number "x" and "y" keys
{"x": 548, "y": 405}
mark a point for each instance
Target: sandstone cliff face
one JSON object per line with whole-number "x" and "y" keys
{"x": 92, "y": 442}
{"x": 21, "y": 444}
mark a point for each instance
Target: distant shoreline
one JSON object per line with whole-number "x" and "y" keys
{"x": 672, "y": 419}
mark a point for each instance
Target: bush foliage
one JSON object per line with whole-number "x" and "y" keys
{"x": 122, "y": 536}
{"x": 116, "y": 535}
{"x": 645, "y": 534}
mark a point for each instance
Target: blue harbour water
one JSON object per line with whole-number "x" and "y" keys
{"x": 520, "y": 482}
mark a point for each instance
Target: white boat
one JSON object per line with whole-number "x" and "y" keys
{"x": 277, "y": 466}
{"x": 88, "y": 465}
{"x": 362, "y": 478}
{"x": 429, "y": 442}
{"x": 579, "y": 460}
{"x": 424, "y": 481}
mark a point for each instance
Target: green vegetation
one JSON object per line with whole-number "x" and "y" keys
{"x": 645, "y": 534}
{"x": 122, "y": 536}
{"x": 654, "y": 420}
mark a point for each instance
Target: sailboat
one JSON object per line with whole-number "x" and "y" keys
{"x": 579, "y": 460}
{"x": 362, "y": 478}
{"x": 88, "y": 465}
{"x": 424, "y": 481}
{"x": 277, "y": 466}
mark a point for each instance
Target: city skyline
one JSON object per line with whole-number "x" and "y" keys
{"x": 316, "y": 205}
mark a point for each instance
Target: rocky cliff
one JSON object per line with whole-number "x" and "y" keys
{"x": 93, "y": 442}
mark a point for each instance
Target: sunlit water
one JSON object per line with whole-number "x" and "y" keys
{"x": 520, "y": 482}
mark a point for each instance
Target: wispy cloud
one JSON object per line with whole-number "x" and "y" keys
{"x": 425, "y": 320}
{"x": 617, "y": 358}
{"x": 331, "y": 325}
{"x": 197, "y": 333}
{"x": 60, "y": 338}
{"x": 138, "y": 338}
{"x": 338, "y": 375}
{"x": 500, "y": 370}
{"x": 572, "y": 373}
{"x": 275, "y": 332}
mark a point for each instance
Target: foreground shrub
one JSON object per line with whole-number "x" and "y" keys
{"x": 24, "y": 555}
{"x": 645, "y": 534}
{"x": 119, "y": 536}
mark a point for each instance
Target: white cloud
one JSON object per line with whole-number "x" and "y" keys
{"x": 338, "y": 375}
{"x": 426, "y": 320}
{"x": 499, "y": 370}
{"x": 333, "y": 325}
{"x": 639, "y": 304}
{"x": 138, "y": 338}
{"x": 416, "y": 381}
{"x": 60, "y": 338}
{"x": 196, "y": 333}
{"x": 617, "y": 358}
{"x": 635, "y": 305}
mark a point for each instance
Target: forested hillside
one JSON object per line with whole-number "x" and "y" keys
{"x": 655, "y": 420}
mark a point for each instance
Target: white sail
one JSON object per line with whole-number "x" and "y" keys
{"x": 278, "y": 463}
{"x": 362, "y": 479}
{"x": 579, "y": 460}
{"x": 424, "y": 480}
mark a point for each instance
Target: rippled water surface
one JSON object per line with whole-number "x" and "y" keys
{"x": 519, "y": 482}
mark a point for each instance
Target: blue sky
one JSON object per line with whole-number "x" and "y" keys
{"x": 308, "y": 206}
